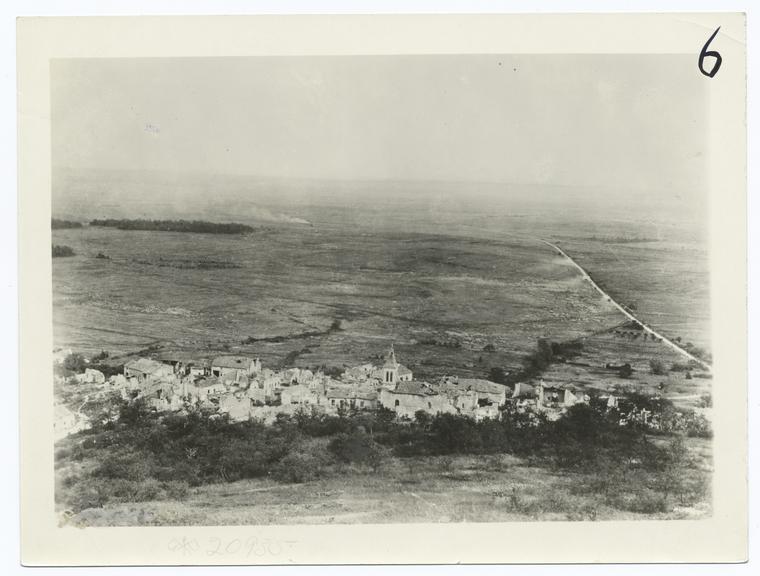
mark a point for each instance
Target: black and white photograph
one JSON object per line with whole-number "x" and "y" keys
{"x": 380, "y": 289}
{"x": 388, "y": 288}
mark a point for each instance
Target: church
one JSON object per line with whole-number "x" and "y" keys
{"x": 393, "y": 372}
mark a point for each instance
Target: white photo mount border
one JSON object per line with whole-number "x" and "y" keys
{"x": 723, "y": 537}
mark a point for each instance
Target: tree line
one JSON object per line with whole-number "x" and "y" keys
{"x": 197, "y": 226}
{"x": 58, "y": 224}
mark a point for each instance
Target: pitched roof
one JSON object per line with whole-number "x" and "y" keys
{"x": 144, "y": 365}
{"x": 403, "y": 370}
{"x": 360, "y": 394}
{"x": 414, "y": 387}
{"x": 484, "y": 386}
{"x": 242, "y": 362}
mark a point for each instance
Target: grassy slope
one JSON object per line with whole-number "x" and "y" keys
{"x": 427, "y": 489}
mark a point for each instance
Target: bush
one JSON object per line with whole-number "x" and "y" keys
{"x": 357, "y": 448}
{"x": 62, "y": 251}
{"x": 697, "y": 426}
{"x": 656, "y": 366}
{"x": 123, "y": 466}
{"x": 147, "y": 490}
{"x": 296, "y": 468}
{"x": 176, "y": 489}
{"x": 498, "y": 375}
{"x": 455, "y": 434}
{"x": 87, "y": 495}
{"x": 644, "y": 502}
{"x": 242, "y": 459}
{"x": 72, "y": 364}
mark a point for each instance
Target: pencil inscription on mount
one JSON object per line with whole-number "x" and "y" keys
{"x": 381, "y": 289}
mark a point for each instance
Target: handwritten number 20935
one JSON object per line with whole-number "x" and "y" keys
{"x": 705, "y": 53}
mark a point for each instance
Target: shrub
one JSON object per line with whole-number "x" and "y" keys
{"x": 498, "y": 375}
{"x": 452, "y": 433}
{"x": 74, "y": 364}
{"x": 697, "y": 426}
{"x": 147, "y": 490}
{"x": 62, "y": 251}
{"x": 297, "y": 467}
{"x": 422, "y": 419}
{"x": 643, "y": 502}
{"x": 176, "y": 489}
{"x": 62, "y": 454}
{"x": 357, "y": 447}
{"x": 123, "y": 466}
{"x": 656, "y": 366}
{"x": 87, "y": 495}
{"x": 242, "y": 459}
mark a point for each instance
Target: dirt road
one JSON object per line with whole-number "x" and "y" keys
{"x": 625, "y": 311}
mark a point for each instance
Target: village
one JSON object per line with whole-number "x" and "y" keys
{"x": 242, "y": 388}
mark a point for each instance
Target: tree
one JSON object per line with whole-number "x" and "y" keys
{"x": 625, "y": 371}
{"x": 422, "y": 419}
{"x": 62, "y": 251}
{"x": 357, "y": 447}
{"x": 74, "y": 363}
{"x": 497, "y": 374}
{"x": 657, "y": 366}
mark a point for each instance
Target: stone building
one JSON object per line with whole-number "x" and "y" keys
{"x": 145, "y": 368}
{"x": 234, "y": 368}
{"x": 406, "y": 398}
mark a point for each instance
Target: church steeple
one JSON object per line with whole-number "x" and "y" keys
{"x": 390, "y": 358}
{"x": 390, "y": 368}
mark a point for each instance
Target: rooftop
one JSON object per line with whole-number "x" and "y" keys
{"x": 415, "y": 387}
{"x": 232, "y": 362}
{"x": 479, "y": 385}
{"x": 352, "y": 393}
{"x": 144, "y": 365}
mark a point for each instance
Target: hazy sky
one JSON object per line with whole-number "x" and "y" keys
{"x": 618, "y": 122}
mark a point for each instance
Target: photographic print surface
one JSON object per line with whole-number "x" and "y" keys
{"x": 380, "y": 289}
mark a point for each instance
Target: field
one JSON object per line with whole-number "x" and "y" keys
{"x": 440, "y": 298}
{"x": 419, "y": 291}
{"x": 497, "y": 488}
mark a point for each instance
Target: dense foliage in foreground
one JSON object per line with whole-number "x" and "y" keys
{"x": 174, "y": 226}
{"x": 141, "y": 455}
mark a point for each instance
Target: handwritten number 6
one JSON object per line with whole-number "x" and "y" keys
{"x": 712, "y": 53}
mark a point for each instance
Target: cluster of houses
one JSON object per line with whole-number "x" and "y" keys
{"x": 241, "y": 387}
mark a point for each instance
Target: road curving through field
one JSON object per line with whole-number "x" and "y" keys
{"x": 625, "y": 311}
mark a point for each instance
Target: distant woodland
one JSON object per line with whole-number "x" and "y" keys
{"x": 198, "y": 226}
{"x": 57, "y": 224}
